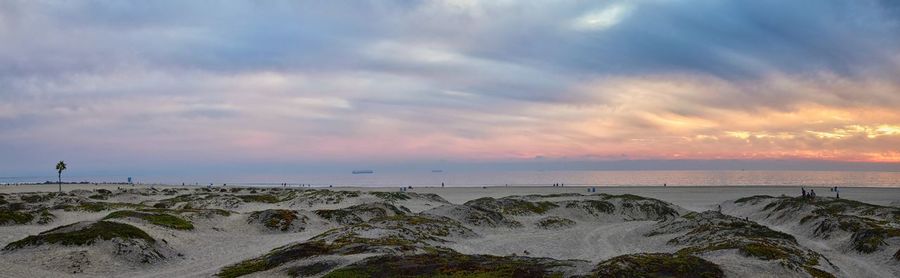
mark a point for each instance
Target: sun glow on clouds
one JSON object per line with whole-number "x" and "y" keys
{"x": 648, "y": 115}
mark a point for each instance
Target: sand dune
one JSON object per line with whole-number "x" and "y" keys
{"x": 169, "y": 231}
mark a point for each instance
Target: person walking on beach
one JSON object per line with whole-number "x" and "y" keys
{"x": 803, "y": 192}
{"x": 812, "y": 194}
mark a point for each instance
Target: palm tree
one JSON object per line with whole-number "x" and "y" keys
{"x": 59, "y": 168}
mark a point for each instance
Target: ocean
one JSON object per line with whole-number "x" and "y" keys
{"x": 524, "y": 178}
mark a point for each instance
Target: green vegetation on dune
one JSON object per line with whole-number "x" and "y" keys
{"x": 20, "y": 217}
{"x": 341, "y": 216}
{"x": 276, "y": 258}
{"x": 278, "y": 219}
{"x": 869, "y": 225}
{"x": 512, "y": 206}
{"x": 476, "y": 216}
{"x": 753, "y": 199}
{"x": 593, "y": 207}
{"x": 100, "y": 206}
{"x": 867, "y": 235}
{"x": 45, "y": 217}
{"x": 358, "y": 213}
{"x": 14, "y": 217}
{"x": 169, "y": 202}
{"x": 761, "y": 250}
{"x": 16, "y": 206}
{"x": 67, "y": 235}
{"x": 326, "y": 196}
{"x": 711, "y": 231}
{"x": 308, "y": 249}
{"x": 817, "y": 273}
{"x": 420, "y": 227}
{"x": 554, "y": 222}
{"x": 189, "y": 211}
{"x": 222, "y": 199}
{"x": 655, "y": 210}
{"x": 657, "y": 265}
{"x": 37, "y": 198}
{"x": 391, "y": 196}
{"x": 553, "y": 195}
{"x": 830, "y": 206}
{"x": 870, "y": 239}
{"x": 449, "y": 264}
{"x": 646, "y": 208}
{"x": 397, "y": 234}
{"x": 626, "y": 197}
{"x": 531, "y": 207}
{"x": 311, "y": 269}
{"x": 159, "y": 219}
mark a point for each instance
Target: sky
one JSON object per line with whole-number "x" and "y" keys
{"x": 156, "y": 86}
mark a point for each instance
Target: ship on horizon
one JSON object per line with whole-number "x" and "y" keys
{"x": 363, "y": 172}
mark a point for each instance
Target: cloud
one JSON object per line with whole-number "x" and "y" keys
{"x": 466, "y": 80}
{"x": 602, "y": 19}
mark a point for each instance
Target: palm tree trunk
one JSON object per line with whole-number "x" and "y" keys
{"x": 60, "y": 181}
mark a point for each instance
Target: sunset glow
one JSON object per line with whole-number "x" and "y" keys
{"x": 166, "y": 82}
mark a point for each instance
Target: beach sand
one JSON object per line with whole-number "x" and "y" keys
{"x": 508, "y": 229}
{"x": 697, "y": 198}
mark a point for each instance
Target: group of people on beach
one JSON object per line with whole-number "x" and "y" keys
{"x": 300, "y": 185}
{"x": 812, "y": 193}
{"x": 558, "y": 185}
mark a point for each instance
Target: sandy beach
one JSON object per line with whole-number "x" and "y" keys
{"x": 696, "y": 198}
{"x": 166, "y": 231}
